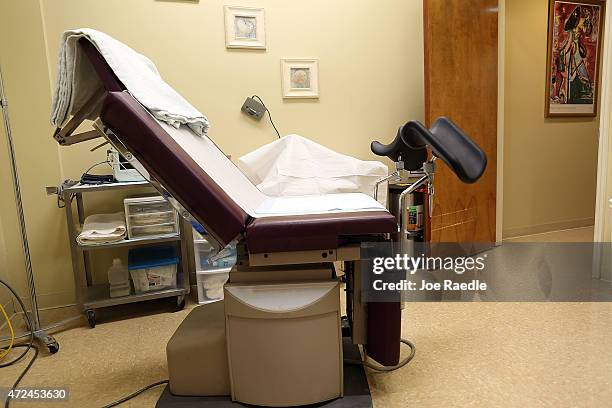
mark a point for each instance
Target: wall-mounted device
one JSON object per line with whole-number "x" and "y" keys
{"x": 122, "y": 169}
{"x": 253, "y": 108}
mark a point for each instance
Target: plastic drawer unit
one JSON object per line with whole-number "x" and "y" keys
{"x": 150, "y": 216}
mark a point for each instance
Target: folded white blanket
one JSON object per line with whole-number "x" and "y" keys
{"x": 103, "y": 229}
{"x": 77, "y": 82}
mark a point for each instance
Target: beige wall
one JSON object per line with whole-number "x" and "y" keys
{"x": 550, "y": 165}
{"x": 24, "y": 65}
{"x": 371, "y": 81}
{"x": 371, "y": 64}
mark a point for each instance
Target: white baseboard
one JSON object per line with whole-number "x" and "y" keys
{"x": 550, "y": 227}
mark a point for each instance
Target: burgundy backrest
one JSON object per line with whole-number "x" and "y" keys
{"x": 164, "y": 159}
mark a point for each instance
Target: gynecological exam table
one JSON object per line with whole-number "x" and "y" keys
{"x": 278, "y": 338}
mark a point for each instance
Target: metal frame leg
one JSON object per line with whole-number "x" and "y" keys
{"x": 47, "y": 340}
{"x": 87, "y": 263}
{"x": 79, "y": 273}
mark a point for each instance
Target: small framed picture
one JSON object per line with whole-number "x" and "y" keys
{"x": 300, "y": 78}
{"x": 245, "y": 27}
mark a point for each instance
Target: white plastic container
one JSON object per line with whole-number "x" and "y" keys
{"x": 211, "y": 275}
{"x": 210, "y": 284}
{"x": 153, "y": 268}
{"x": 118, "y": 279}
{"x": 203, "y": 250}
{"x": 148, "y": 279}
{"x": 149, "y": 217}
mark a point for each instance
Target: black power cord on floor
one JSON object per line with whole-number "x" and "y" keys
{"x": 362, "y": 362}
{"x": 24, "y": 372}
{"x": 137, "y": 393}
{"x": 386, "y": 369}
{"x": 29, "y": 345}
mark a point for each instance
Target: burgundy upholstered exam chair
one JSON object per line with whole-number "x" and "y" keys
{"x": 276, "y": 339}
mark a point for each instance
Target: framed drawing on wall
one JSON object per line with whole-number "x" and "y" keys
{"x": 245, "y": 27}
{"x": 300, "y": 78}
{"x": 575, "y": 36}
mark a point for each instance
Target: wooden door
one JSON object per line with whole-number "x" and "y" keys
{"x": 461, "y": 58}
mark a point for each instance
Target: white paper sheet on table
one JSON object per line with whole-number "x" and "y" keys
{"x": 251, "y": 199}
{"x": 297, "y": 166}
{"x": 318, "y": 204}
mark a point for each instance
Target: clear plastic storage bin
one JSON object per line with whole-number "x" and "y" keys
{"x": 210, "y": 284}
{"x": 203, "y": 256}
{"x": 153, "y": 268}
{"x": 150, "y": 217}
{"x": 204, "y": 251}
{"x": 211, "y": 274}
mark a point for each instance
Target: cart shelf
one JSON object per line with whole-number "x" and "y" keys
{"x": 134, "y": 242}
{"x": 98, "y": 296}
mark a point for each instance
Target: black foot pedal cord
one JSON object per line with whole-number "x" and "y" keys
{"x": 31, "y": 345}
{"x": 356, "y": 362}
{"x": 137, "y": 393}
{"x": 381, "y": 368}
{"x": 28, "y": 346}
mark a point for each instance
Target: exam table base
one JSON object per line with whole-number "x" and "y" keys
{"x": 356, "y": 390}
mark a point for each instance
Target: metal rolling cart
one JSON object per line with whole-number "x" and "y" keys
{"x": 90, "y": 296}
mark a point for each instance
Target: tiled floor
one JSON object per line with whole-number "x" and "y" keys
{"x": 468, "y": 354}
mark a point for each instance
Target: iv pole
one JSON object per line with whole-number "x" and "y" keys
{"x": 39, "y": 333}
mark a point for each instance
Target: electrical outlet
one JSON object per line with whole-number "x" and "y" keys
{"x": 253, "y": 108}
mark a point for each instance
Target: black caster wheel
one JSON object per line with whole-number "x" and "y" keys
{"x": 345, "y": 325}
{"x": 91, "y": 318}
{"x": 53, "y": 347}
{"x": 180, "y": 304}
{"x": 48, "y": 341}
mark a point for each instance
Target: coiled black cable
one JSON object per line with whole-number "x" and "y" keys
{"x": 29, "y": 345}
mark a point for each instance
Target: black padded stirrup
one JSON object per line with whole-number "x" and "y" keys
{"x": 447, "y": 142}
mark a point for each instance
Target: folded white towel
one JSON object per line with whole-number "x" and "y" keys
{"x": 77, "y": 82}
{"x": 103, "y": 229}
